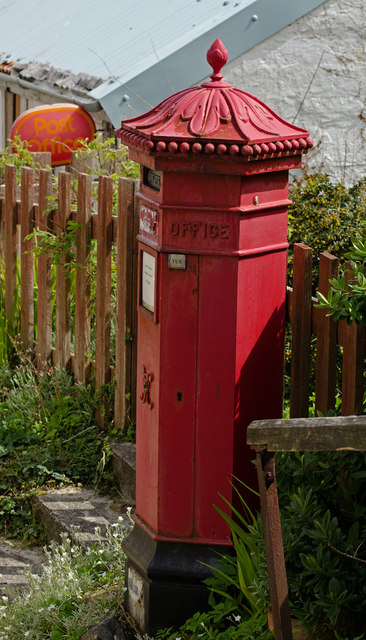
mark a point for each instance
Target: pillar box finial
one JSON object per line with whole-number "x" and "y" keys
{"x": 217, "y": 57}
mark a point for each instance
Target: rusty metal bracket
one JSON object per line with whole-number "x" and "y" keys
{"x": 274, "y": 545}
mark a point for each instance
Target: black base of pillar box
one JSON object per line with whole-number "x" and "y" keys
{"x": 164, "y": 579}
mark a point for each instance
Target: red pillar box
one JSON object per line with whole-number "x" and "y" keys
{"x": 212, "y": 247}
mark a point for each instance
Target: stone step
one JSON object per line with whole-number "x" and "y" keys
{"x": 108, "y": 629}
{"x": 14, "y": 563}
{"x": 124, "y": 467}
{"x": 77, "y": 511}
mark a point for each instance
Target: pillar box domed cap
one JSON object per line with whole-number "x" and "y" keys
{"x": 214, "y": 118}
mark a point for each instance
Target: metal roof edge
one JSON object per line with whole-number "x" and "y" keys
{"x": 183, "y": 68}
{"x": 185, "y": 38}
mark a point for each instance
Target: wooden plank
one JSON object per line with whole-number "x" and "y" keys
{"x": 353, "y": 342}
{"x": 134, "y": 293}
{"x": 289, "y": 304}
{"x": 82, "y": 280}
{"x": 124, "y": 299}
{"x": 42, "y": 158}
{"x": 326, "y": 346}
{"x": 94, "y": 223}
{"x": 44, "y": 315}
{"x": 314, "y": 310}
{"x": 309, "y": 434}
{"x": 26, "y": 261}
{"x": 63, "y": 332}
{"x": 103, "y": 281}
{"x": 17, "y": 107}
{"x": 301, "y": 331}
{"x": 9, "y": 113}
{"x": 10, "y": 240}
{"x": 353, "y": 370}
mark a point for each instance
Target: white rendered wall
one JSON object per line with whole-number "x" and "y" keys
{"x": 329, "y": 42}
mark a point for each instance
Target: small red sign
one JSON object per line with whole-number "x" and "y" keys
{"x": 57, "y": 128}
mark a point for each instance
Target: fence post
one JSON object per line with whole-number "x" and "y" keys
{"x": 10, "y": 230}
{"x": 301, "y": 331}
{"x": 134, "y": 252}
{"x": 124, "y": 298}
{"x": 26, "y": 261}
{"x": 353, "y": 343}
{"x": 62, "y": 352}
{"x": 82, "y": 281}
{"x": 103, "y": 294}
{"x": 326, "y": 343}
{"x": 44, "y": 315}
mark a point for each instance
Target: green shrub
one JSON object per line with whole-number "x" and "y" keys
{"x": 325, "y": 216}
{"x": 18, "y": 154}
{"x": 104, "y": 157}
{"x": 323, "y": 512}
{"x": 47, "y": 438}
{"x": 347, "y": 299}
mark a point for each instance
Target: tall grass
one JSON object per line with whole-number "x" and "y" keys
{"x": 9, "y": 327}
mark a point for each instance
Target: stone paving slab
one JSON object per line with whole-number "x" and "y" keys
{"x": 14, "y": 561}
{"x": 78, "y": 511}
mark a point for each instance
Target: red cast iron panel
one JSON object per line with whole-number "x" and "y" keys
{"x": 215, "y": 393}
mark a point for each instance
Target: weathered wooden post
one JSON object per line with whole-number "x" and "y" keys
{"x": 212, "y": 286}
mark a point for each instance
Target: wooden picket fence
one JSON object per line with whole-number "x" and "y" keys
{"x": 22, "y": 208}
{"x": 308, "y": 320}
{"x": 25, "y": 208}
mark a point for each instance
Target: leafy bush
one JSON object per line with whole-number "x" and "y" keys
{"x": 221, "y": 622}
{"x": 47, "y": 438}
{"x": 104, "y": 157}
{"x": 323, "y": 510}
{"x": 323, "y": 513}
{"x": 325, "y": 216}
{"x": 347, "y": 297}
{"x": 18, "y": 154}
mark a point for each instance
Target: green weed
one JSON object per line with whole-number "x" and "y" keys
{"x": 78, "y": 588}
{"x": 47, "y": 438}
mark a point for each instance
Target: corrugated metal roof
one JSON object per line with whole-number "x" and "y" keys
{"x": 106, "y": 38}
{"x": 143, "y": 49}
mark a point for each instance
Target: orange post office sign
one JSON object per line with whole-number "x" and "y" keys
{"x": 57, "y": 128}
